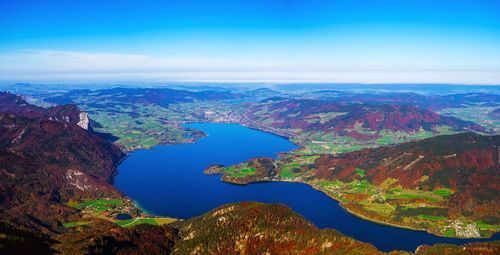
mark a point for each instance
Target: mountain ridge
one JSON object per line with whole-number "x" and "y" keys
{"x": 68, "y": 113}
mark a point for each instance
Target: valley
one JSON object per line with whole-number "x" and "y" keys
{"x": 338, "y": 143}
{"x": 143, "y": 122}
{"x": 244, "y": 127}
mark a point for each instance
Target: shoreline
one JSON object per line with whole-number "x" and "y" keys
{"x": 364, "y": 217}
{"x": 340, "y": 203}
{"x": 383, "y": 223}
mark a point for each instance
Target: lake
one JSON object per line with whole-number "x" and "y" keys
{"x": 169, "y": 181}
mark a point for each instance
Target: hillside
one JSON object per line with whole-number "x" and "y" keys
{"x": 447, "y": 185}
{"x": 46, "y": 163}
{"x": 239, "y": 228}
{"x": 256, "y": 228}
{"x": 475, "y": 107}
{"x": 495, "y": 114}
{"x": 476, "y": 153}
{"x": 321, "y": 126}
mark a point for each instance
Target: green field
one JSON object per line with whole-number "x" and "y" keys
{"x": 361, "y": 172}
{"x": 331, "y": 142}
{"x": 382, "y": 209}
{"x": 442, "y": 192}
{"x": 151, "y": 221}
{"x": 432, "y": 217}
{"x": 396, "y": 190}
{"x": 478, "y": 114}
{"x": 101, "y": 204}
{"x": 129, "y": 223}
{"x": 287, "y": 170}
{"x": 72, "y": 224}
{"x": 483, "y": 225}
{"x": 389, "y": 137}
{"x": 230, "y": 169}
{"x": 292, "y": 169}
{"x": 139, "y": 125}
{"x": 450, "y": 232}
{"x": 413, "y": 194}
{"x": 244, "y": 172}
{"x": 322, "y": 117}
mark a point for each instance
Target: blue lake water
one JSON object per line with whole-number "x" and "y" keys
{"x": 169, "y": 181}
{"x": 123, "y": 216}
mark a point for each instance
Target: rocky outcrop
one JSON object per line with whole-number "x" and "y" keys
{"x": 80, "y": 180}
{"x": 83, "y": 121}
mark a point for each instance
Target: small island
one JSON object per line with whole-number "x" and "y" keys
{"x": 254, "y": 170}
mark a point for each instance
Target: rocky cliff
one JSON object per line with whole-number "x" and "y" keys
{"x": 67, "y": 113}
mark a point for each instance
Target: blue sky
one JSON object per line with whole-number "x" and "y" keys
{"x": 446, "y": 41}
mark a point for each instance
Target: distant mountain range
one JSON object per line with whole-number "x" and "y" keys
{"x": 429, "y": 102}
{"x": 495, "y": 114}
{"x": 160, "y": 96}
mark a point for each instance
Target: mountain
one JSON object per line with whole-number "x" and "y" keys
{"x": 466, "y": 163}
{"x": 358, "y": 121}
{"x": 256, "y": 228}
{"x": 495, "y": 114}
{"x": 239, "y": 228}
{"x": 69, "y": 113}
{"x": 45, "y": 163}
{"x": 261, "y": 93}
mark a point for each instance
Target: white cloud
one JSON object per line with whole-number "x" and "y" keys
{"x": 51, "y": 65}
